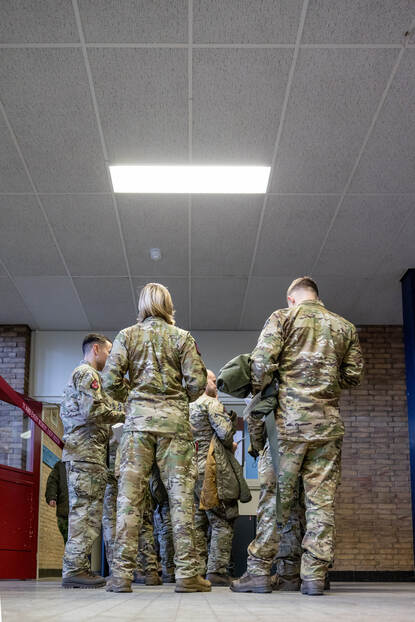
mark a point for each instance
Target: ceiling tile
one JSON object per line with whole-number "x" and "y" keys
{"x": 223, "y": 234}
{"x": 357, "y": 21}
{"x": 143, "y": 105}
{"x": 86, "y": 228}
{"x": 179, "y": 290}
{"x": 237, "y": 101}
{"x": 216, "y": 303}
{"x": 107, "y": 301}
{"x": 388, "y": 162}
{"x": 242, "y": 21}
{"x": 265, "y": 294}
{"x": 12, "y": 308}
{"x": 132, "y": 21}
{"x": 334, "y": 96}
{"x": 360, "y": 234}
{"x": 26, "y": 246}
{"x": 31, "y": 21}
{"x": 155, "y": 222}
{"x": 13, "y": 177}
{"x": 53, "y": 302}
{"x": 292, "y": 233}
{"x": 47, "y": 100}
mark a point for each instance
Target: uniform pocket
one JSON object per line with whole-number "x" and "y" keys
{"x": 87, "y": 481}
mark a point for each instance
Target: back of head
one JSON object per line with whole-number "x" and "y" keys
{"x": 303, "y": 288}
{"x": 155, "y": 301}
{"x": 92, "y": 338}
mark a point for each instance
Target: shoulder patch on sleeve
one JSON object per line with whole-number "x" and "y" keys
{"x": 95, "y": 385}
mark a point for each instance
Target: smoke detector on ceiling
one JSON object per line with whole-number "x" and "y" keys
{"x": 155, "y": 254}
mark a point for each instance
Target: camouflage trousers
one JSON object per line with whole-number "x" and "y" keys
{"x": 217, "y": 558}
{"x": 318, "y": 464}
{"x": 175, "y": 458}
{"x": 86, "y": 487}
{"x": 146, "y": 561}
{"x": 109, "y": 516}
{"x": 63, "y": 527}
{"x": 163, "y": 533}
{"x": 146, "y": 557}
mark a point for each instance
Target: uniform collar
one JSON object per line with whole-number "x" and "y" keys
{"x": 312, "y": 302}
{"x": 153, "y": 318}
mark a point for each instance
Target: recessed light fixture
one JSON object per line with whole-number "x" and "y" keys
{"x": 190, "y": 179}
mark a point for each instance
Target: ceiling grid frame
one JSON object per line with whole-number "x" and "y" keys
{"x": 189, "y": 45}
{"x": 103, "y": 144}
{"x": 274, "y": 155}
{"x": 45, "y": 216}
{"x": 362, "y": 148}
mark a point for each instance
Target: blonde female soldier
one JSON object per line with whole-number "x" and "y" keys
{"x": 165, "y": 372}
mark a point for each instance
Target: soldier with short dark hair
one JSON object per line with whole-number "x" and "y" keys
{"x": 86, "y": 411}
{"x": 316, "y": 353}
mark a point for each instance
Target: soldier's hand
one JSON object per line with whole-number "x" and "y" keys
{"x": 52, "y": 503}
{"x": 234, "y": 447}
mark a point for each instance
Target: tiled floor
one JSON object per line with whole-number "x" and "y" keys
{"x": 354, "y": 602}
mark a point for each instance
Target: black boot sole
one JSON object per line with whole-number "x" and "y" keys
{"x": 74, "y": 586}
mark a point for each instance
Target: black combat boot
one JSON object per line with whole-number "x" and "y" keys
{"x": 139, "y": 578}
{"x": 219, "y": 580}
{"x": 83, "y": 581}
{"x": 312, "y": 587}
{"x": 252, "y": 583}
{"x": 168, "y": 577}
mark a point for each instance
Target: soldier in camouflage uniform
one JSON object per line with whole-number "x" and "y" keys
{"x": 147, "y": 567}
{"x": 86, "y": 411}
{"x": 316, "y": 354}
{"x": 166, "y": 372}
{"x": 208, "y": 417}
{"x": 147, "y": 563}
{"x": 163, "y": 531}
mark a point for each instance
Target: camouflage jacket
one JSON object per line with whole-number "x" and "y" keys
{"x": 86, "y": 411}
{"x": 165, "y": 373}
{"x": 207, "y": 416}
{"x": 316, "y": 353}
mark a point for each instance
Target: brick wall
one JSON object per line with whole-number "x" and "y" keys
{"x": 14, "y": 367}
{"x": 373, "y": 515}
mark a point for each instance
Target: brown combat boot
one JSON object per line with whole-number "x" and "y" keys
{"x": 83, "y": 581}
{"x": 118, "y": 584}
{"x": 218, "y": 580}
{"x": 252, "y": 583}
{"x": 312, "y": 587}
{"x": 192, "y": 584}
{"x": 285, "y": 584}
{"x": 153, "y": 578}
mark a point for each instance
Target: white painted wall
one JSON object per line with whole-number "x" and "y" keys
{"x": 54, "y": 354}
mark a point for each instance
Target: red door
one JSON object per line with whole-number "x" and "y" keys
{"x": 19, "y": 495}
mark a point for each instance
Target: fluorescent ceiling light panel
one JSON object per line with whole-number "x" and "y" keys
{"x": 190, "y": 179}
